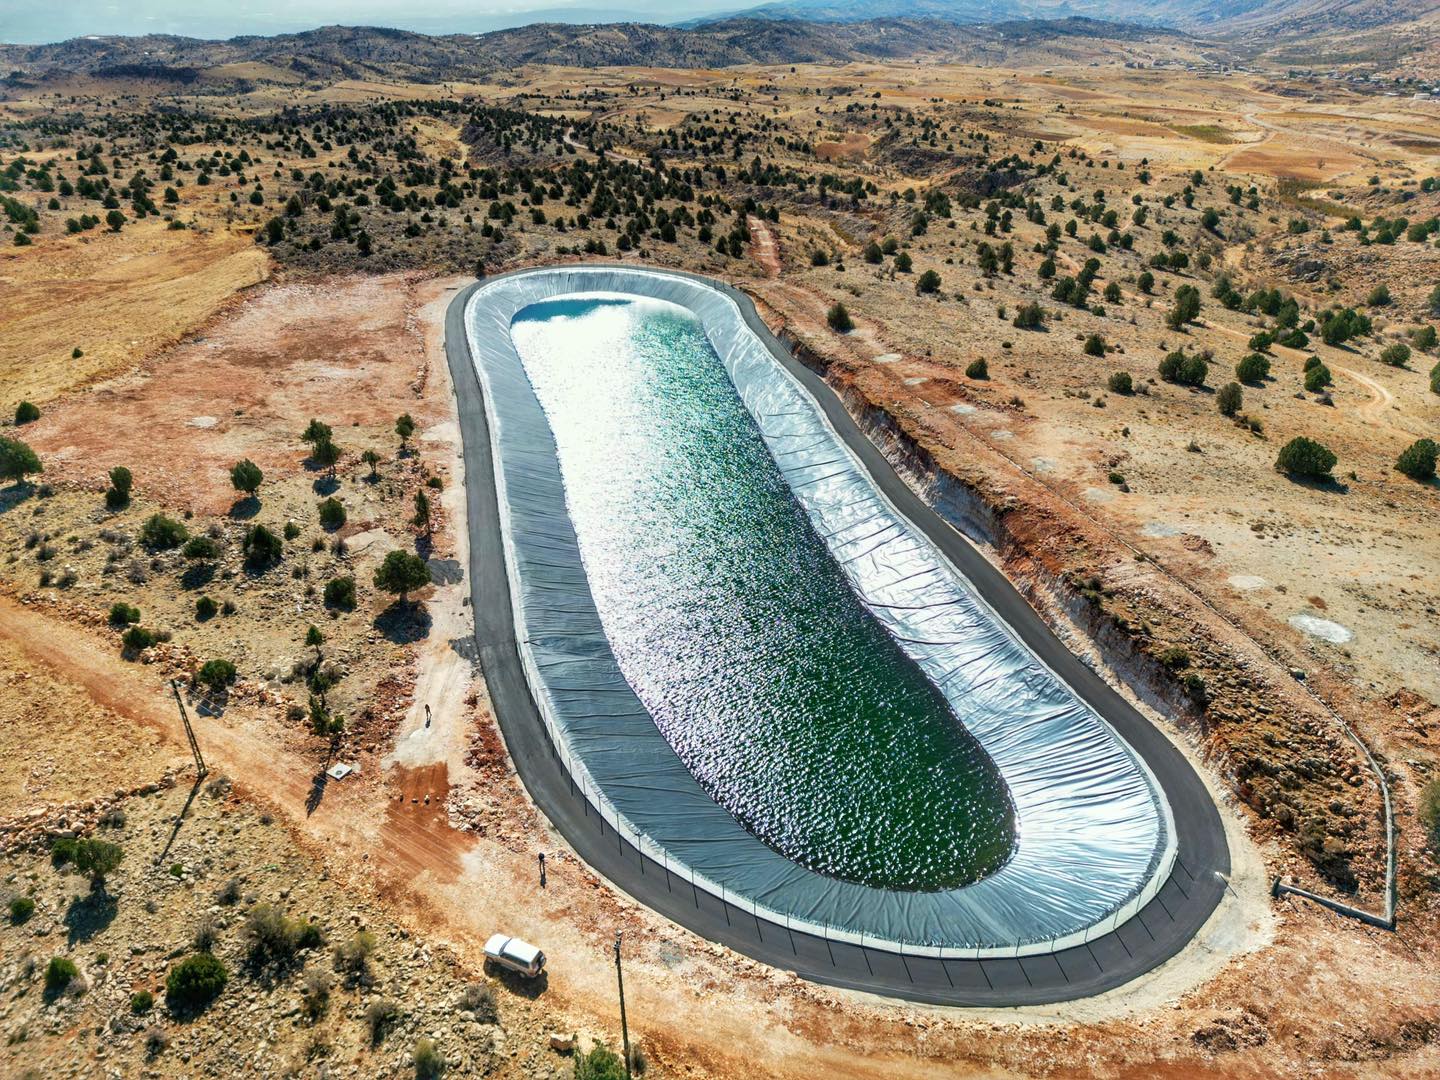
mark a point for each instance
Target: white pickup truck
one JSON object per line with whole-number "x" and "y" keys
{"x": 517, "y": 955}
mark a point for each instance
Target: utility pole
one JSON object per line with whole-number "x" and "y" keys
{"x": 624, "y": 1027}
{"x": 200, "y": 768}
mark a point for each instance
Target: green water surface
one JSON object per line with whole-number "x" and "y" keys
{"x": 784, "y": 697}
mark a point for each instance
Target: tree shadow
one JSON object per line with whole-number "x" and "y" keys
{"x": 326, "y": 485}
{"x": 14, "y": 495}
{"x": 404, "y": 623}
{"x": 317, "y": 789}
{"x": 88, "y": 915}
{"x": 1319, "y": 483}
{"x": 179, "y": 820}
{"x": 444, "y": 571}
{"x": 244, "y": 509}
{"x": 212, "y": 703}
{"x": 197, "y": 575}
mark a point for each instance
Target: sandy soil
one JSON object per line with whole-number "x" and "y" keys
{"x": 118, "y": 298}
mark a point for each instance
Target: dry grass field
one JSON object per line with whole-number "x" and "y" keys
{"x": 1144, "y": 524}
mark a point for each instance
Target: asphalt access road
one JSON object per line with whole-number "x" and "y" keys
{"x": 1156, "y": 934}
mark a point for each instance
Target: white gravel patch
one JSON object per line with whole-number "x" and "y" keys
{"x": 1323, "y": 629}
{"x": 1100, "y": 495}
{"x": 961, "y": 408}
{"x": 887, "y": 358}
{"x": 1044, "y": 464}
{"x": 1159, "y": 529}
{"x": 1248, "y": 581}
{"x": 202, "y": 421}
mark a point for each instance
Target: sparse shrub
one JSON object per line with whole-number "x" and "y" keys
{"x": 404, "y": 427}
{"x": 96, "y": 859}
{"x": 340, "y": 593}
{"x": 479, "y": 1001}
{"x": 332, "y": 514}
{"x": 1229, "y": 399}
{"x": 380, "y": 1017}
{"x": 141, "y": 1002}
{"x": 121, "y": 483}
{"x": 1305, "y": 457}
{"x": 1397, "y": 355}
{"x": 207, "y": 933}
{"x": 315, "y": 993}
{"x": 601, "y": 1063}
{"x": 928, "y": 282}
{"x": 156, "y": 1040}
{"x": 216, "y": 674}
{"x": 401, "y": 572}
{"x": 200, "y": 547}
{"x": 1430, "y": 813}
{"x": 262, "y": 547}
{"x": 206, "y": 608}
{"x": 977, "y": 369}
{"x": 1317, "y": 378}
{"x": 1186, "y": 309}
{"x": 291, "y": 530}
{"x": 138, "y": 639}
{"x": 838, "y": 319}
{"x": 1253, "y": 368}
{"x": 1417, "y": 461}
{"x": 229, "y": 893}
{"x": 1094, "y": 345}
{"x": 160, "y": 533}
{"x": 353, "y": 956}
{"x": 1379, "y": 296}
{"x": 21, "y": 908}
{"x": 17, "y": 461}
{"x": 326, "y": 454}
{"x": 1029, "y": 317}
{"x": 59, "y": 973}
{"x": 1174, "y": 657}
{"x": 195, "y": 982}
{"x": 1120, "y": 382}
{"x": 429, "y": 1062}
{"x": 1184, "y": 368}
{"x": 273, "y": 937}
{"x": 26, "y": 412}
{"x": 122, "y": 614}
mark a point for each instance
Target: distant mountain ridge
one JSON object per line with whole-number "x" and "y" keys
{"x": 1237, "y": 16}
{"x": 339, "y": 52}
{"x": 961, "y": 31}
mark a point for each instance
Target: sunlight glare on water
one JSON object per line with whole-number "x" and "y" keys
{"x": 785, "y": 699}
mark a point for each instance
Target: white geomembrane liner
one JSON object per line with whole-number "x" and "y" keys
{"x": 1094, "y": 836}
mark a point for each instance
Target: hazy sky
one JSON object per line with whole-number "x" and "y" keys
{"x": 28, "y": 21}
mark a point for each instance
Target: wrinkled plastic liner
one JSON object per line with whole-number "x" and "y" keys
{"x": 1094, "y": 838}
